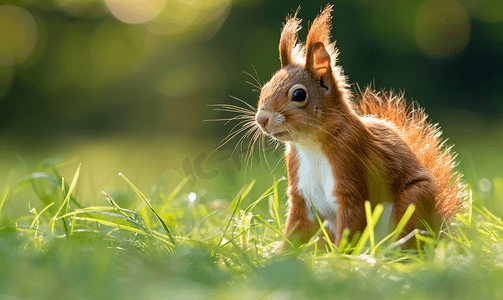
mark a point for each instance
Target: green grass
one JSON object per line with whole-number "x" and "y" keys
{"x": 174, "y": 244}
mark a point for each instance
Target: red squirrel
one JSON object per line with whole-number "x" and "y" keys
{"x": 343, "y": 150}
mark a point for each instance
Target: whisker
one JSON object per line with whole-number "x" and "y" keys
{"x": 279, "y": 160}
{"x": 318, "y": 127}
{"x": 277, "y": 144}
{"x": 263, "y": 151}
{"x": 232, "y": 134}
{"x": 248, "y": 151}
{"x": 246, "y": 123}
{"x": 250, "y": 147}
{"x": 245, "y": 118}
{"x": 246, "y": 127}
{"x": 227, "y": 105}
{"x": 244, "y": 112}
{"x": 254, "y": 85}
{"x": 232, "y": 108}
{"x": 250, "y": 130}
{"x": 241, "y": 140}
{"x": 286, "y": 128}
{"x": 257, "y": 80}
{"x": 251, "y": 107}
{"x": 240, "y": 117}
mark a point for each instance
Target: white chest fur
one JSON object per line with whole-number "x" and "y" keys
{"x": 316, "y": 182}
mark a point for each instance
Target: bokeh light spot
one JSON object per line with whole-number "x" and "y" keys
{"x": 442, "y": 28}
{"x": 485, "y": 185}
{"x": 18, "y": 35}
{"x": 186, "y": 17}
{"x": 135, "y": 11}
{"x": 192, "y": 197}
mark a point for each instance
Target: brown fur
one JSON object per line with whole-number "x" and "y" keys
{"x": 379, "y": 149}
{"x": 287, "y": 49}
{"x": 424, "y": 140}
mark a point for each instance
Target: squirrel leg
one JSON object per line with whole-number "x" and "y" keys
{"x": 420, "y": 193}
{"x": 352, "y": 218}
{"x": 298, "y": 229}
{"x": 331, "y": 230}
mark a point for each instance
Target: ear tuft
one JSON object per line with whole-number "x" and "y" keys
{"x": 288, "y": 39}
{"x": 321, "y": 54}
{"x": 320, "y": 30}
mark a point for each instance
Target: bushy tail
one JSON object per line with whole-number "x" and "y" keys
{"x": 424, "y": 139}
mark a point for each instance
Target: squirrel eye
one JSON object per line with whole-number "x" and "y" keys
{"x": 299, "y": 95}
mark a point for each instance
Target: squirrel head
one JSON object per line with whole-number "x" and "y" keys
{"x": 309, "y": 89}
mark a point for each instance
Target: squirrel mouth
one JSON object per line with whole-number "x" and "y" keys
{"x": 279, "y": 134}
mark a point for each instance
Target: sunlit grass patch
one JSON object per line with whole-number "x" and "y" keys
{"x": 53, "y": 246}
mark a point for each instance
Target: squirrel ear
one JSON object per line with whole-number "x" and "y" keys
{"x": 287, "y": 43}
{"x": 318, "y": 60}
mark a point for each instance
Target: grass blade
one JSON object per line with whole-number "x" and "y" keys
{"x": 229, "y": 222}
{"x": 115, "y": 205}
{"x": 265, "y": 194}
{"x": 325, "y": 233}
{"x": 394, "y": 235}
{"x": 275, "y": 205}
{"x": 173, "y": 193}
{"x": 142, "y": 197}
{"x": 59, "y": 179}
{"x": 274, "y": 229}
{"x": 35, "y": 220}
{"x": 369, "y": 230}
{"x": 244, "y": 192}
{"x": 370, "y": 224}
{"x": 4, "y": 198}
{"x": 67, "y": 198}
{"x": 239, "y": 197}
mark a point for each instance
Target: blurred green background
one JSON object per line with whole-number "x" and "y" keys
{"x": 124, "y": 86}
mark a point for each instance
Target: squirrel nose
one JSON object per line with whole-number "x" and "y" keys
{"x": 263, "y": 117}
